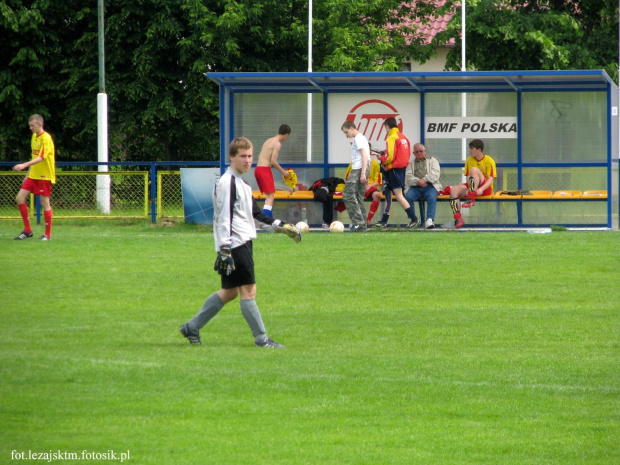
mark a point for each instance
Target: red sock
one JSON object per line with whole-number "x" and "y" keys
{"x": 47, "y": 214}
{"x": 23, "y": 210}
{"x": 457, "y": 216}
{"x": 374, "y": 206}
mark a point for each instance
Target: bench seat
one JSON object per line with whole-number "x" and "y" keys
{"x": 499, "y": 195}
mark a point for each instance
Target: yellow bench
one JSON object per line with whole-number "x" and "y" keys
{"x": 499, "y": 195}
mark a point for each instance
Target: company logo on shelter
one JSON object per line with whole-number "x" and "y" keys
{"x": 369, "y": 116}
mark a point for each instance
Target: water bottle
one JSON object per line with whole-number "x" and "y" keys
{"x": 303, "y": 212}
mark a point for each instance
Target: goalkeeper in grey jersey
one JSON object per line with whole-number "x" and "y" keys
{"x": 236, "y": 216}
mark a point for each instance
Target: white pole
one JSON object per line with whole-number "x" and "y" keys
{"x": 463, "y": 68}
{"x": 309, "y": 122}
{"x": 103, "y": 181}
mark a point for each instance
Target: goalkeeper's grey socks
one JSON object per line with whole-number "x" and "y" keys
{"x": 209, "y": 309}
{"x": 250, "y": 312}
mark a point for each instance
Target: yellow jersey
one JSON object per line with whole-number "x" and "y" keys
{"x": 373, "y": 176}
{"x": 43, "y": 146}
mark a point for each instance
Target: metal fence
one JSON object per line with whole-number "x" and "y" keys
{"x": 137, "y": 190}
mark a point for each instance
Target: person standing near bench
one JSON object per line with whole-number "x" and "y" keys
{"x": 267, "y": 158}
{"x": 41, "y": 176}
{"x": 395, "y": 160}
{"x": 373, "y": 183}
{"x": 355, "y": 185}
{"x": 422, "y": 179}
{"x": 234, "y": 228}
{"x": 480, "y": 170}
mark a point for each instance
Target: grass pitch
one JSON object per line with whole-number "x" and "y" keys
{"x": 399, "y": 350}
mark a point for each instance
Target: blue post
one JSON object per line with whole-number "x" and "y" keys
{"x": 153, "y": 192}
{"x": 37, "y": 210}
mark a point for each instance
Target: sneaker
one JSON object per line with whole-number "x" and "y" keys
{"x": 192, "y": 337}
{"x": 458, "y": 223}
{"x": 23, "y": 235}
{"x": 413, "y": 224}
{"x": 270, "y": 343}
{"x": 469, "y": 204}
{"x": 380, "y": 225}
{"x": 325, "y": 226}
{"x": 45, "y": 238}
{"x": 429, "y": 224}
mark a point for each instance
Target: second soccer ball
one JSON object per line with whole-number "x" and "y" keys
{"x": 303, "y": 227}
{"x": 336, "y": 227}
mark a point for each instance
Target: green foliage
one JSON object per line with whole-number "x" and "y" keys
{"x": 533, "y": 35}
{"x": 161, "y": 106}
{"x": 415, "y": 367}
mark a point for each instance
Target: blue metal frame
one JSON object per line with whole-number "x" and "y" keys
{"x": 435, "y": 82}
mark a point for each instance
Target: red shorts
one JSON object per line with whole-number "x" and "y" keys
{"x": 264, "y": 178}
{"x": 487, "y": 191}
{"x": 38, "y": 186}
{"x": 369, "y": 192}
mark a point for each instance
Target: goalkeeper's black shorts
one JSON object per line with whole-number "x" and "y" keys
{"x": 244, "y": 267}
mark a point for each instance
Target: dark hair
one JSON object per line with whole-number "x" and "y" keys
{"x": 476, "y": 144}
{"x": 391, "y": 122}
{"x": 347, "y": 125}
{"x": 284, "y": 129}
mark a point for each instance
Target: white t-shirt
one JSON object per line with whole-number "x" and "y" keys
{"x": 359, "y": 142}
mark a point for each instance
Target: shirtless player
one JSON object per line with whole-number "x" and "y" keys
{"x": 267, "y": 158}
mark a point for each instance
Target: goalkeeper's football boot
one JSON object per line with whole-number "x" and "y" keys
{"x": 269, "y": 343}
{"x": 192, "y": 336}
{"x": 290, "y": 230}
{"x": 23, "y": 235}
{"x": 45, "y": 238}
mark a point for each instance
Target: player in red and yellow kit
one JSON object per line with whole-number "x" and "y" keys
{"x": 395, "y": 160}
{"x": 480, "y": 170}
{"x": 41, "y": 176}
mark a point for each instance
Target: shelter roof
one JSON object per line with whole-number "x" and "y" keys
{"x": 463, "y": 81}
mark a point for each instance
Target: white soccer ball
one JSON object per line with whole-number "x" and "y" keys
{"x": 303, "y": 227}
{"x": 336, "y": 227}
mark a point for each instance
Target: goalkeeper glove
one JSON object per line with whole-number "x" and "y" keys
{"x": 224, "y": 263}
{"x": 290, "y": 230}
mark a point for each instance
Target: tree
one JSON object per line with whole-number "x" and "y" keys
{"x": 161, "y": 106}
{"x": 535, "y": 35}
{"x": 30, "y": 70}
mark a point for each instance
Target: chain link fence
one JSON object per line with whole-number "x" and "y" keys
{"x": 169, "y": 195}
{"x": 154, "y": 193}
{"x": 75, "y": 194}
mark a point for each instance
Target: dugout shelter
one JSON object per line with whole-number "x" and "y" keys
{"x": 552, "y": 133}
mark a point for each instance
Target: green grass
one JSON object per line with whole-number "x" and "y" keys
{"x": 400, "y": 350}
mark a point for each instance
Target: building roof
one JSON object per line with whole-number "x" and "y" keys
{"x": 430, "y": 27}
